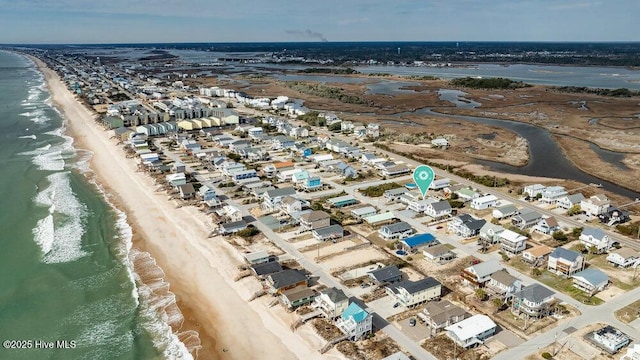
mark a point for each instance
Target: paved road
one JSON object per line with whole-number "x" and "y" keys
{"x": 401, "y": 339}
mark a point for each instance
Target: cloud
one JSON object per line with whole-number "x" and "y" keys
{"x": 307, "y": 34}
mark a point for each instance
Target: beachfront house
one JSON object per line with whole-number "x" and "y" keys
{"x": 331, "y": 302}
{"x": 594, "y": 238}
{"x": 565, "y": 262}
{"x": 296, "y": 297}
{"x": 232, "y": 227}
{"x": 412, "y": 293}
{"x": 285, "y": 280}
{"x": 355, "y": 322}
{"x": 471, "y": 331}
{"x": 533, "y": 301}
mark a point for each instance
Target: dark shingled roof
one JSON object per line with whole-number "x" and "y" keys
{"x": 267, "y": 268}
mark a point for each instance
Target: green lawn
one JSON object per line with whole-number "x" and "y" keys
{"x": 566, "y": 286}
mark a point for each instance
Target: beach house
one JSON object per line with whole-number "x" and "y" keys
{"x": 355, "y": 322}
{"x": 332, "y": 302}
{"x": 590, "y": 280}
{"x": 595, "y": 205}
{"x": 594, "y": 238}
{"x": 412, "y": 293}
{"x": 440, "y": 314}
{"x": 471, "y": 331}
{"x": 385, "y": 275}
{"x": 479, "y": 275}
{"x": 512, "y": 242}
{"x": 565, "y": 262}
{"x": 533, "y": 301}
{"x": 399, "y": 230}
{"x": 484, "y": 202}
{"x": 285, "y": 280}
{"x": 624, "y": 257}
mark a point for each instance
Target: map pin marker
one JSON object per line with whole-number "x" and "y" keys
{"x": 423, "y": 176}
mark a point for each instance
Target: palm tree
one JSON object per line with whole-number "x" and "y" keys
{"x": 497, "y": 302}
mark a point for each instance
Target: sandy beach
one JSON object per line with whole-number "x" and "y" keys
{"x": 200, "y": 270}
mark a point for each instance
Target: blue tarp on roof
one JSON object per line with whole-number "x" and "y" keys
{"x": 418, "y": 240}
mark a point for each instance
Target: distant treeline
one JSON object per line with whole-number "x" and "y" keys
{"x": 488, "y": 83}
{"x": 622, "y": 92}
{"x": 340, "y": 71}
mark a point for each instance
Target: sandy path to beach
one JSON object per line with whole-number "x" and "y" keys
{"x": 200, "y": 270}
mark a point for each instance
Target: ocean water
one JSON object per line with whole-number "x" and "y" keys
{"x": 65, "y": 269}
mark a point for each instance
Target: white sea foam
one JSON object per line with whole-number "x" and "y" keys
{"x": 28, "y": 137}
{"x": 59, "y": 234}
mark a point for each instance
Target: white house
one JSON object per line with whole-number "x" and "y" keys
{"x": 439, "y": 184}
{"x": 438, "y": 209}
{"x": 504, "y": 212}
{"x": 355, "y": 322}
{"x": 569, "y": 201}
{"x": 331, "y": 302}
{"x": 552, "y": 193}
{"x": 399, "y": 230}
{"x": 534, "y": 190}
{"x": 595, "y": 205}
{"x": 512, "y": 242}
{"x": 594, "y": 237}
{"x": 471, "y": 331}
{"x": 624, "y": 258}
{"x": 533, "y": 301}
{"x": 411, "y": 293}
{"x": 484, "y": 202}
{"x": 440, "y": 142}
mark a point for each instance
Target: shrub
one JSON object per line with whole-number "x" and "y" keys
{"x": 546, "y": 355}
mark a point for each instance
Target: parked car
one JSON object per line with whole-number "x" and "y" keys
{"x": 412, "y": 322}
{"x": 396, "y": 305}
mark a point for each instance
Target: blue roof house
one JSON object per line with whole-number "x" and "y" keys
{"x": 355, "y": 322}
{"x": 417, "y": 241}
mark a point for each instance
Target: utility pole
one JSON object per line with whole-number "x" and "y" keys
{"x": 555, "y": 342}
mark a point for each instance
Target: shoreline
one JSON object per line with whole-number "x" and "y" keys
{"x": 199, "y": 270}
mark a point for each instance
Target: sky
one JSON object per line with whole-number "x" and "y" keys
{"x": 140, "y": 21}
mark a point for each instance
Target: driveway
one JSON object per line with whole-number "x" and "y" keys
{"x": 384, "y": 306}
{"x": 508, "y": 338}
{"x": 416, "y": 333}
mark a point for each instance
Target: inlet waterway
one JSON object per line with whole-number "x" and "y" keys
{"x": 546, "y": 159}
